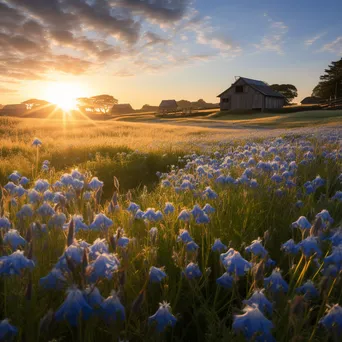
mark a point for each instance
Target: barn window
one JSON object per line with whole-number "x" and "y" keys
{"x": 225, "y": 100}
{"x": 239, "y": 89}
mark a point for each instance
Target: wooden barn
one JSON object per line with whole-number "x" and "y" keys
{"x": 311, "y": 100}
{"x": 168, "y": 106}
{"x": 248, "y": 94}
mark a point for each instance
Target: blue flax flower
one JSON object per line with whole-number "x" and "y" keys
{"x": 41, "y": 185}
{"x": 192, "y": 246}
{"x": 57, "y": 220}
{"x": 133, "y": 207}
{"x": 253, "y": 324}
{"x": 45, "y": 210}
{"x": 103, "y": 267}
{"x": 184, "y": 236}
{"x": 15, "y": 263}
{"x": 234, "y": 263}
{"x": 325, "y": 216}
{"x": 209, "y": 193}
{"x": 93, "y": 297}
{"x": 13, "y": 238}
{"x": 94, "y": 184}
{"x": 7, "y": 331}
{"x": 308, "y": 290}
{"x": 34, "y": 196}
{"x": 208, "y": 209}
{"x": 226, "y": 281}
{"x": 112, "y": 309}
{"x": 55, "y": 280}
{"x": 290, "y": 247}
{"x": 309, "y": 246}
{"x": 335, "y": 257}
{"x": 36, "y": 142}
{"x": 169, "y": 208}
{"x": 24, "y": 181}
{"x": 123, "y": 241}
{"x": 73, "y": 308}
{"x": 302, "y": 223}
{"x": 258, "y": 298}
{"x": 184, "y": 216}
{"x": 163, "y": 317}
{"x": 192, "y": 271}
{"x": 99, "y": 246}
{"x": 5, "y": 223}
{"x": 275, "y": 282}
{"x": 156, "y": 274}
{"x": 14, "y": 176}
{"x": 25, "y": 211}
{"x": 333, "y": 319}
{"x": 257, "y": 248}
{"x": 101, "y": 221}
{"x": 218, "y": 246}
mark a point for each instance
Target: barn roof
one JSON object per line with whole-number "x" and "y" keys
{"x": 311, "y": 100}
{"x": 122, "y": 105}
{"x": 259, "y": 86}
{"x": 168, "y": 104}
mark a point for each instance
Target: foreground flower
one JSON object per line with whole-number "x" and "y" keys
{"x": 103, "y": 267}
{"x": 55, "y": 280}
{"x": 112, "y": 309}
{"x": 290, "y": 247}
{"x": 74, "y": 308}
{"x": 99, "y": 246}
{"x": 275, "y": 282}
{"x": 258, "y": 298}
{"x": 257, "y": 248}
{"x": 253, "y": 324}
{"x": 302, "y": 223}
{"x": 5, "y": 223}
{"x": 156, "y": 274}
{"x": 7, "y": 331}
{"x": 309, "y": 246}
{"x": 218, "y": 246}
{"x": 333, "y": 319}
{"x": 13, "y": 238}
{"x": 308, "y": 290}
{"x": 226, "y": 281}
{"x": 101, "y": 221}
{"x": 95, "y": 184}
{"x": 15, "y": 263}
{"x": 192, "y": 271}
{"x": 233, "y": 262}
{"x": 163, "y": 317}
{"x": 93, "y": 297}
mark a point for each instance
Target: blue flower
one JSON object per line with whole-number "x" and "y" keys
{"x": 36, "y": 142}
{"x": 14, "y": 176}
{"x": 335, "y": 257}
{"x": 163, "y": 317}
{"x": 196, "y": 211}
{"x": 5, "y": 223}
{"x": 93, "y": 297}
{"x": 95, "y": 184}
{"x": 66, "y": 179}
{"x": 34, "y": 196}
{"x": 308, "y": 289}
{"x": 41, "y": 185}
{"x": 276, "y": 178}
{"x": 152, "y": 215}
{"x": 133, "y": 207}
{"x": 10, "y": 187}
{"x": 275, "y": 282}
{"x": 257, "y": 248}
{"x": 99, "y": 246}
{"x": 73, "y": 308}
{"x": 192, "y": 246}
{"x": 15, "y": 263}
{"x": 169, "y": 208}
{"x": 112, "y": 309}
{"x": 78, "y": 224}
{"x": 13, "y": 238}
{"x": 55, "y": 280}
{"x": 184, "y": 216}
{"x": 77, "y": 184}
{"x": 337, "y": 196}
{"x": 45, "y": 210}
{"x": 302, "y": 223}
{"x": 103, "y": 267}
{"x": 333, "y": 319}
{"x": 156, "y": 274}
{"x": 57, "y": 220}
{"x": 24, "y": 181}
{"x": 209, "y": 193}
{"x": 226, "y": 281}
{"x": 101, "y": 221}
{"x": 309, "y": 246}
{"x": 290, "y": 247}
{"x": 258, "y": 298}
{"x": 7, "y": 331}
{"x": 325, "y": 216}
{"x": 208, "y": 209}
{"x": 218, "y": 246}
{"x": 318, "y": 182}
{"x": 234, "y": 263}
{"x": 75, "y": 253}
{"x": 336, "y": 238}
{"x": 139, "y": 214}
{"x": 253, "y": 324}
{"x": 184, "y": 236}
{"x": 123, "y": 241}
{"x": 192, "y": 271}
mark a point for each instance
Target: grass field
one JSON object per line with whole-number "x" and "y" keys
{"x": 149, "y": 232}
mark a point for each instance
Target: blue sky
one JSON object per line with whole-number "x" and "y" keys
{"x": 180, "y": 49}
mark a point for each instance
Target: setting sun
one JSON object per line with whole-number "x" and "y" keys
{"x": 64, "y": 95}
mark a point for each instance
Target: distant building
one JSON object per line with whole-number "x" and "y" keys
{"x": 124, "y": 108}
{"x": 311, "y": 100}
{"x": 248, "y": 94}
{"x": 168, "y": 106}
{"x": 14, "y": 109}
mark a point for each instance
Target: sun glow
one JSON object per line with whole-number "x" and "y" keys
{"x": 64, "y": 95}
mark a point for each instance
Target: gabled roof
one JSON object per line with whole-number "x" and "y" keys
{"x": 311, "y": 100}
{"x": 259, "y": 86}
{"x": 168, "y": 104}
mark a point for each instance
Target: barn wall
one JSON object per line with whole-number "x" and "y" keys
{"x": 274, "y": 102}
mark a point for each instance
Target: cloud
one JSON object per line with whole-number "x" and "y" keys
{"x": 274, "y": 39}
{"x": 334, "y": 46}
{"x": 312, "y": 40}
{"x": 123, "y": 73}
{"x": 7, "y": 91}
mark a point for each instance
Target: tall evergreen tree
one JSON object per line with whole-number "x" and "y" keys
{"x": 330, "y": 85}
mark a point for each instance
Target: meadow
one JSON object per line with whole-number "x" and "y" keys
{"x": 171, "y": 231}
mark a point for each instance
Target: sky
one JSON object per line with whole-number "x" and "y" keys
{"x": 144, "y": 51}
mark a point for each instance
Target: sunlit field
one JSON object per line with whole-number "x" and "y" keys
{"x": 129, "y": 231}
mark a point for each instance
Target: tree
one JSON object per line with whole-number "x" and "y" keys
{"x": 100, "y": 103}
{"x": 330, "y": 85}
{"x": 288, "y": 90}
{"x": 33, "y": 103}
